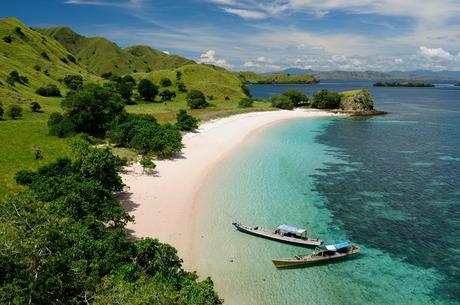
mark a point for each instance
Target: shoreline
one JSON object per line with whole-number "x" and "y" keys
{"x": 164, "y": 202}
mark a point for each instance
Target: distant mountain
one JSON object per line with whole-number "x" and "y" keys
{"x": 376, "y": 76}
{"x": 100, "y": 55}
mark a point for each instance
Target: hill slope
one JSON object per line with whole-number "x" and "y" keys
{"x": 100, "y": 55}
{"x": 275, "y": 78}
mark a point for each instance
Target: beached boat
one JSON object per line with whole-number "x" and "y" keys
{"x": 282, "y": 233}
{"x": 321, "y": 255}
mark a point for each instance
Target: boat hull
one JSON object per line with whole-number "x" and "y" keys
{"x": 266, "y": 234}
{"x": 312, "y": 260}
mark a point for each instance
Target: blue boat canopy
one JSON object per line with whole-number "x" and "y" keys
{"x": 290, "y": 229}
{"x": 337, "y": 247}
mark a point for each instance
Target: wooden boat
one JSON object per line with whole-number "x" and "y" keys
{"x": 321, "y": 255}
{"x": 282, "y": 233}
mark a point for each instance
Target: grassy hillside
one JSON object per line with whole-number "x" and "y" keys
{"x": 276, "y": 78}
{"x": 100, "y": 55}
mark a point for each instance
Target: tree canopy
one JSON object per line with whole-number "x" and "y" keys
{"x": 326, "y": 100}
{"x": 196, "y": 99}
{"x": 147, "y": 90}
{"x": 297, "y": 97}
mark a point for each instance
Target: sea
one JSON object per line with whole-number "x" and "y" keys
{"x": 389, "y": 184}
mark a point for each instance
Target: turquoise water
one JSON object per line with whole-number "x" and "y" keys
{"x": 390, "y": 184}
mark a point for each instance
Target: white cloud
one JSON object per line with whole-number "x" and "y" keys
{"x": 167, "y": 52}
{"x": 209, "y": 57}
{"x": 261, "y": 59}
{"x": 434, "y": 53}
{"x": 245, "y": 14}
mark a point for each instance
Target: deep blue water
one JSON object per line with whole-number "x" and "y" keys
{"x": 390, "y": 184}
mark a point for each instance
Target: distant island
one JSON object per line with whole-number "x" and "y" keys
{"x": 457, "y": 84}
{"x": 403, "y": 84}
{"x": 276, "y": 78}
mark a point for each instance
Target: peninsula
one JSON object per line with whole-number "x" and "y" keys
{"x": 402, "y": 84}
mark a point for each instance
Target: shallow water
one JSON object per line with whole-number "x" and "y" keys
{"x": 391, "y": 184}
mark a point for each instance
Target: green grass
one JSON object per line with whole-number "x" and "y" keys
{"x": 350, "y": 93}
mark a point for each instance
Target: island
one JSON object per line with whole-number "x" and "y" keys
{"x": 457, "y": 84}
{"x": 402, "y": 84}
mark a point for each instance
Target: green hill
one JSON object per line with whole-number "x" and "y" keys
{"x": 100, "y": 55}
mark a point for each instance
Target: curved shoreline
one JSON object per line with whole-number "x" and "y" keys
{"x": 164, "y": 203}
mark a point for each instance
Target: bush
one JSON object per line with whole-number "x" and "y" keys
{"x": 186, "y": 122}
{"x": 71, "y": 58}
{"x": 165, "y": 82}
{"x": 60, "y": 126}
{"x": 45, "y": 56}
{"x": 245, "y": 103}
{"x": 281, "y": 102}
{"x": 178, "y": 76}
{"x": 147, "y": 90}
{"x": 73, "y": 82}
{"x": 147, "y": 163}
{"x": 37, "y": 152}
{"x": 181, "y": 87}
{"x": 326, "y": 100}
{"x": 297, "y": 97}
{"x": 167, "y": 95}
{"x": 196, "y": 100}
{"x": 14, "y": 77}
{"x": 2, "y": 111}
{"x": 8, "y": 39}
{"x": 35, "y": 107}
{"x": 48, "y": 91}
{"x": 14, "y": 112}
{"x": 64, "y": 60}
{"x": 37, "y": 68}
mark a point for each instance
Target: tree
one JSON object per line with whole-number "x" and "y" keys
{"x": 178, "y": 76}
{"x": 147, "y": 163}
{"x": 14, "y": 77}
{"x": 297, "y": 97}
{"x": 186, "y": 122}
{"x": 2, "y": 111}
{"x": 196, "y": 100}
{"x": 165, "y": 82}
{"x": 91, "y": 109}
{"x": 50, "y": 90}
{"x": 245, "y": 103}
{"x": 167, "y": 95}
{"x": 14, "y": 112}
{"x": 73, "y": 82}
{"x": 281, "y": 102}
{"x": 35, "y": 107}
{"x": 60, "y": 126}
{"x": 326, "y": 100}
{"x": 147, "y": 90}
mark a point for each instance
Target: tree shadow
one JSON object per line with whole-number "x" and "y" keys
{"x": 126, "y": 201}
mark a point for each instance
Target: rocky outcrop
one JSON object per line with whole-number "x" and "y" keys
{"x": 358, "y": 103}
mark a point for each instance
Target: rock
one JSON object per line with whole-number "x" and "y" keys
{"x": 360, "y": 102}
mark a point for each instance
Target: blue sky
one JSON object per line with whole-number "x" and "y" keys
{"x": 269, "y": 35}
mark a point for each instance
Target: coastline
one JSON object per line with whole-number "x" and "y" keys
{"x": 164, "y": 202}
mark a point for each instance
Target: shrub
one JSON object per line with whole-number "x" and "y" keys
{"x": 60, "y": 126}
{"x": 8, "y": 39}
{"x": 2, "y": 111}
{"x": 167, "y": 95}
{"x": 186, "y": 122}
{"x": 281, "y": 102}
{"x": 165, "y": 82}
{"x": 106, "y": 75}
{"x": 37, "y": 67}
{"x": 147, "y": 163}
{"x": 73, "y": 82}
{"x": 45, "y": 56}
{"x": 18, "y": 31}
{"x": 64, "y": 60}
{"x": 178, "y": 76}
{"x": 245, "y": 103}
{"x": 48, "y": 91}
{"x": 71, "y": 58}
{"x": 326, "y": 100}
{"x": 181, "y": 87}
{"x": 196, "y": 100}
{"x": 297, "y": 97}
{"x": 14, "y": 77}
{"x": 35, "y": 107}
{"x": 14, "y": 112}
{"x": 37, "y": 152}
{"x": 147, "y": 90}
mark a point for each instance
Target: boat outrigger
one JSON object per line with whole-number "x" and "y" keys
{"x": 323, "y": 254}
{"x": 282, "y": 233}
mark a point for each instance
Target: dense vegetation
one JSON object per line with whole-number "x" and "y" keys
{"x": 326, "y": 100}
{"x": 403, "y": 84}
{"x": 63, "y": 241}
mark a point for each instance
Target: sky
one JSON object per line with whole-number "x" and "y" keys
{"x": 269, "y": 35}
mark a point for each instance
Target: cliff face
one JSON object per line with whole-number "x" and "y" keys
{"x": 358, "y": 101}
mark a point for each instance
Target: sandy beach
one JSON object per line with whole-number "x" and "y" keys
{"x": 163, "y": 202}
